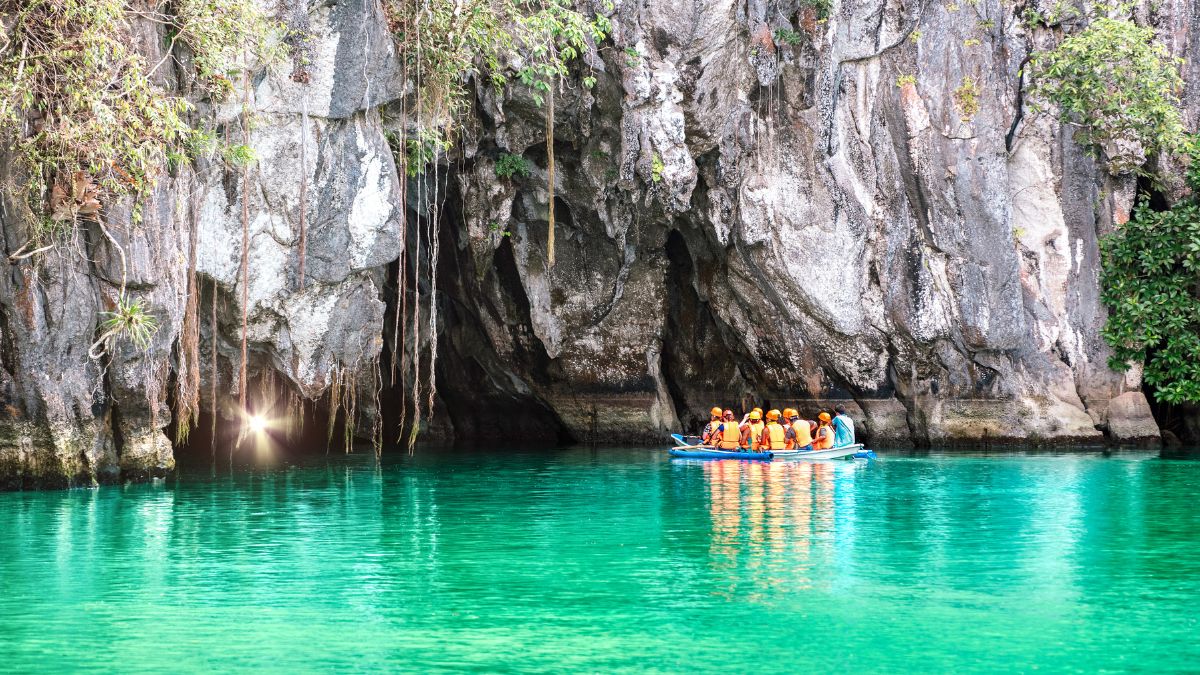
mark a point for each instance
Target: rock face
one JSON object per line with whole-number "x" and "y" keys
{"x": 752, "y": 205}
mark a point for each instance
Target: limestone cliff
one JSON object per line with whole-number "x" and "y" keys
{"x": 740, "y": 218}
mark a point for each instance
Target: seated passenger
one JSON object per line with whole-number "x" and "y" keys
{"x": 843, "y": 427}
{"x": 824, "y": 439}
{"x": 706, "y": 436}
{"x": 752, "y": 430}
{"x": 727, "y": 435}
{"x": 800, "y": 434}
{"x": 773, "y": 435}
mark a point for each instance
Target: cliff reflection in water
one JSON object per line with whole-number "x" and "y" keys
{"x": 775, "y": 522}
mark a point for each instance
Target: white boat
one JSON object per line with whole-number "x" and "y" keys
{"x": 831, "y": 453}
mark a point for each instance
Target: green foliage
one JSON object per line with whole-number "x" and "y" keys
{"x": 966, "y": 98}
{"x": 74, "y": 97}
{"x": 1115, "y": 81}
{"x": 499, "y": 229}
{"x": 530, "y": 41}
{"x": 239, "y": 156}
{"x": 509, "y": 165}
{"x": 788, "y": 36}
{"x": 656, "y": 168}
{"x": 632, "y": 56}
{"x": 906, "y": 78}
{"x": 822, "y": 8}
{"x": 130, "y": 320}
{"x": 971, "y": 42}
{"x": 1151, "y": 285}
{"x": 915, "y": 36}
{"x": 78, "y": 105}
{"x": 220, "y": 33}
{"x": 986, "y": 24}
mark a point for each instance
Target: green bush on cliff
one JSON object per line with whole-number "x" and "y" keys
{"x": 509, "y": 165}
{"x": 79, "y": 108}
{"x": 1115, "y": 82}
{"x": 1151, "y": 285}
{"x": 444, "y": 44}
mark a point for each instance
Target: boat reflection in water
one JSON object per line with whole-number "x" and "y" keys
{"x": 774, "y": 522}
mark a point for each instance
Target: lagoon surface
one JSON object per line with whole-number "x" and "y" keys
{"x": 613, "y": 559}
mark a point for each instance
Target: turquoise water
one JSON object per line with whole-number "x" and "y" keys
{"x": 614, "y": 560}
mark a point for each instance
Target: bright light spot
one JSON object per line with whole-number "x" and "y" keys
{"x": 257, "y": 423}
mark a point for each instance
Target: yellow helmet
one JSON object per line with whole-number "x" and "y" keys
{"x": 715, "y": 412}
{"x": 824, "y": 417}
{"x": 756, "y": 414}
{"x": 772, "y": 415}
{"x": 757, "y": 410}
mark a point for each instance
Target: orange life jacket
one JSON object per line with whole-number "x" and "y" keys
{"x": 824, "y": 438}
{"x": 773, "y": 438}
{"x": 756, "y": 431}
{"x": 728, "y": 437}
{"x": 803, "y": 434}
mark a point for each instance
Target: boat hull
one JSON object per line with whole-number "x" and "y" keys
{"x": 714, "y": 453}
{"x": 696, "y": 451}
{"x": 832, "y": 453}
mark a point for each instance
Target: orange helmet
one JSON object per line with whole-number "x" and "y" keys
{"x": 758, "y": 410}
{"x": 789, "y": 413}
{"x": 715, "y": 412}
{"x": 824, "y": 417}
{"x": 772, "y": 415}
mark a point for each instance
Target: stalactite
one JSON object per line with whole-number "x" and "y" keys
{"x": 550, "y": 176}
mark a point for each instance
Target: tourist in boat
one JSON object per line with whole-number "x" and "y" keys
{"x": 728, "y": 434}
{"x": 824, "y": 440}
{"x": 752, "y": 430}
{"x": 774, "y": 437}
{"x": 799, "y": 434}
{"x": 714, "y": 420}
{"x": 843, "y": 427}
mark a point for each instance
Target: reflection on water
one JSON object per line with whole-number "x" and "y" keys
{"x": 612, "y": 559}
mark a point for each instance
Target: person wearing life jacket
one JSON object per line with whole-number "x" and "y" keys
{"x": 785, "y": 419}
{"x": 728, "y": 434}
{"x": 773, "y": 434}
{"x": 824, "y": 440}
{"x": 843, "y": 427}
{"x": 799, "y": 433}
{"x": 714, "y": 419}
{"x": 752, "y": 430}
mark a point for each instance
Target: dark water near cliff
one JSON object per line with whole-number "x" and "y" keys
{"x": 614, "y": 559}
